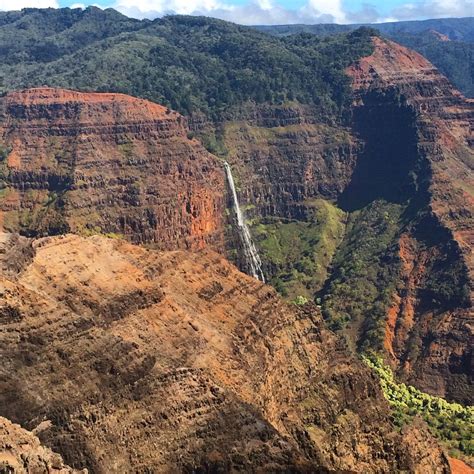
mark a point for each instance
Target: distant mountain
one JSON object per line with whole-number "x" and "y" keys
{"x": 44, "y": 35}
{"x": 205, "y": 65}
{"x": 448, "y": 42}
{"x": 456, "y": 29}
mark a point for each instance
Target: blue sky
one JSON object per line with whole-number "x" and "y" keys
{"x": 274, "y": 11}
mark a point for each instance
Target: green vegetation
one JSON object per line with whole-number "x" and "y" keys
{"x": 44, "y": 35}
{"x": 96, "y": 230}
{"x": 298, "y": 254}
{"x": 214, "y": 143}
{"x": 300, "y": 300}
{"x": 365, "y": 273}
{"x": 451, "y": 423}
{"x": 448, "y": 286}
{"x": 454, "y": 58}
{"x": 192, "y": 64}
{"x": 4, "y": 152}
{"x": 45, "y": 217}
{"x": 4, "y": 169}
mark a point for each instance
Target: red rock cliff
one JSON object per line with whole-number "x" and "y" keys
{"x": 106, "y": 163}
{"x": 429, "y": 333}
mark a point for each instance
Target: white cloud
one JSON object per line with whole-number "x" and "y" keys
{"x": 255, "y": 12}
{"x": 434, "y": 9}
{"x": 265, "y": 4}
{"x": 19, "y": 4}
{"x": 332, "y": 8}
{"x": 148, "y": 8}
{"x": 270, "y": 12}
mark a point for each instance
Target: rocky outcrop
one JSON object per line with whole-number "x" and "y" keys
{"x": 107, "y": 163}
{"x": 424, "y": 455}
{"x": 418, "y": 140}
{"x": 136, "y": 360}
{"x": 459, "y": 467}
{"x": 22, "y": 453}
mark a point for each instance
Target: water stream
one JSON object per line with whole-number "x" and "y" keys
{"x": 252, "y": 259}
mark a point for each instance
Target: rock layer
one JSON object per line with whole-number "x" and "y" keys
{"x": 22, "y": 453}
{"x": 431, "y": 169}
{"x": 135, "y": 360}
{"x": 106, "y": 163}
{"x": 289, "y": 159}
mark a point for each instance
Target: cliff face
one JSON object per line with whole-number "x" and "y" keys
{"x": 289, "y": 169}
{"x": 389, "y": 197}
{"x": 285, "y": 157}
{"x": 140, "y": 360}
{"x": 418, "y": 140}
{"x": 21, "y": 452}
{"x": 106, "y": 163}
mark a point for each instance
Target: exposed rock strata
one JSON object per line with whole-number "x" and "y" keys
{"x": 106, "y": 163}
{"x": 286, "y": 161}
{"x": 22, "y": 453}
{"x": 410, "y": 143}
{"x": 109, "y": 163}
{"x": 431, "y": 168}
{"x": 158, "y": 362}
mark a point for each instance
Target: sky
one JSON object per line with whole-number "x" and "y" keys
{"x": 271, "y": 12}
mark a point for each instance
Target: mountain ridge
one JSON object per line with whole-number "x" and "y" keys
{"x": 454, "y": 58}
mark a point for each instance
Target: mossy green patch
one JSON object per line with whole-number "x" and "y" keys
{"x": 213, "y": 141}
{"x": 96, "y": 230}
{"x": 297, "y": 254}
{"x": 126, "y": 149}
{"x": 45, "y": 216}
{"x": 4, "y": 152}
{"x": 366, "y": 272}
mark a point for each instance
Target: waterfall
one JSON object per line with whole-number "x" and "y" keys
{"x": 250, "y": 252}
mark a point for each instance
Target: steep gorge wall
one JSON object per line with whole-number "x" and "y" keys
{"x": 289, "y": 168}
{"x": 284, "y": 155}
{"x": 109, "y": 163}
{"x": 106, "y": 163}
{"x": 429, "y": 330}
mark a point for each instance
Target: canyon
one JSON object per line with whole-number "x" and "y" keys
{"x": 131, "y": 341}
{"x": 107, "y": 163}
{"x": 396, "y": 188}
